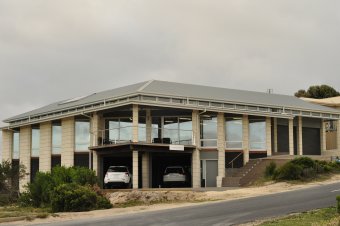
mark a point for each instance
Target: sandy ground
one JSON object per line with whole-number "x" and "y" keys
{"x": 228, "y": 194}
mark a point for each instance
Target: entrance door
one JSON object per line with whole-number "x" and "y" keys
{"x": 211, "y": 173}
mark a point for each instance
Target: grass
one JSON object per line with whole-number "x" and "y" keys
{"x": 326, "y": 216}
{"x": 29, "y": 212}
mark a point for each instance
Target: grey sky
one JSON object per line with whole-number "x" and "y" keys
{"x": 53, "y": 50}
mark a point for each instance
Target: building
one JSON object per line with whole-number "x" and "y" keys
{"x": 331, "y": 125}
{"x": 154, "y": 124}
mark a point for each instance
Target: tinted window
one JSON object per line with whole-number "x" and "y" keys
{"x": 117, "y": 169}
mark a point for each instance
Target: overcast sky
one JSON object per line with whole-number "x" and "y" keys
{"x": 54, "y": 50}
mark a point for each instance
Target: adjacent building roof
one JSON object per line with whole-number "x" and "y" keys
{"x": 176, "y": 90}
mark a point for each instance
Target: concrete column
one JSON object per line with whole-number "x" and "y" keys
{"x": 135, "y": 169}
{"x": 25, "y": 154}
{"x": 45, "y": 147}
{"x": 135, "y": 123}
{"x": 148, "y": 124}
{"x": 299, "y": 135}
{"x": 323, "y": 136}
{"x": 67, "y": 151}
{"x": 269, "y": 136}
{"x": 245, "y": 131}
{"x": 338, "y": 134}
{"x": 275, "y": 136}
{"x": 7, "y": 145}
{"x": 196, "y": 161}
{"x": 146, "y": 170}
{"x": 96, "y": 132}
{"x": 291, "y": 136}
{"x": 220, "y": 148}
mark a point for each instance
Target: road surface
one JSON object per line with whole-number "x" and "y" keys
{"x": 226, "y": 212}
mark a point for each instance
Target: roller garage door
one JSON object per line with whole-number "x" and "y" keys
{"x": 311, "y": 141}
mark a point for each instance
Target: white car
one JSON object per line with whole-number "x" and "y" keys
{"x": 174, "y": 175}
{"x": 117, "y": 176}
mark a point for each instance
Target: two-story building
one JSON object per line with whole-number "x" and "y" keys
{"x": 151, "y": 125}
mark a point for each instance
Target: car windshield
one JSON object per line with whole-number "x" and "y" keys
{"x": 117, "y": 169}
{"x": 174, "y": 170}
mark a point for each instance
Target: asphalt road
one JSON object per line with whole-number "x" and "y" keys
{"x": 225, "y": 213}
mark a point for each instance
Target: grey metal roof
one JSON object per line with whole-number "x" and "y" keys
{"x": 185, "y": 91}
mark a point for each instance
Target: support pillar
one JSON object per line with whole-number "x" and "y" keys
{"x": 338, "y": 134}
{"x": 291, "y": 136}
{"x": 220, "y": 148}
{"x": 135, "y": 169}
{"x": 67, "y": 151}
{"x": 275, "y": 136}
{"x": 146, "y": 170}
{"x": 245, "y": 131}
{"x": 7, "y": 145}
{"x": 148, "y": 124}
{"x": 25, "y": 155}
{"x": 323, "y": 136}
{"x": 135, "y": 123}
{"x": 45, "y": 147}
{"x": 96, "y": 136}
{"x": 196, "y": 161}
{"x": 269, "y": 136}
{"x": 299, "y": 135}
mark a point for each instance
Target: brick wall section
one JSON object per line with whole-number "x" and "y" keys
{"x": 245, "y": 131}
{"x": 269, "y": 136}
{"x": 299, "y": 135}
{"x": 196, "y": 164}
{"x": 67, "y": 152}
{"x": 135, "y": 169}
{"x": 220, "y": 148}
{"x": 145, "y": 170}
{"x": 45, "y": 147}
{"x": 291, "y": 136}
{"x": 25, "y": 154}
{"x": 7, "y": 145}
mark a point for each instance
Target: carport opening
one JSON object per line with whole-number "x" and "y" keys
{"x": 160, "y": 161}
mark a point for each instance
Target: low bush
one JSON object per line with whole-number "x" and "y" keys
{"x": 304, "y": 162}
{"x": 73, "y": 197}
{"x": 338, "y": 203}
{"x": 65, "y": 189}
{"x": 270, "y": 170}
{"x": 289, "y": 171}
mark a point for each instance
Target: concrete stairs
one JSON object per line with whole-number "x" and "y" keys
{"x": 249, "y": 173}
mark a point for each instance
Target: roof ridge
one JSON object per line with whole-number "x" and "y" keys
{"x": 145, "y": 85}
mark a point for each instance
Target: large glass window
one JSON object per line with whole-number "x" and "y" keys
{"x": 208, "y": 131}
{"x": 171, "y": 129}
{"x": 56, "y": 138}
{"x": 257, "y": 134}
{"x": 234, "y": 133}
{"x": 35, "y": 145}
{"x": 185, "y": 132}
{"x": 142, "y": 129}
{"x": 156, "y": 129}
{"x": 16, "y": 145}
{"x": 82, "y": 135}
{"x": 120, "y": 129}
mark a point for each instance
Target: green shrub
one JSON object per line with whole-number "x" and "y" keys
{"x": 338, "y": 203}
{"x": 103, "y": 203}
{"x": 304, "y": 162}
{"x": 270, "y": 170}
{"x": 40, "y": 190}
{"x": 73, "y": 197}
{"x": 83, "y": 176}
{"x": 289, "y": 171}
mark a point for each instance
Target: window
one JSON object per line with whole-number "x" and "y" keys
{"x": 142, "y": 129}
{"x": 16, "y": 145}
{"x": 35, "y": 145}
{"x": 208, "y": 131}
{"x": 234, "y": 138}
{"x": 257, "y": 134}
{"x": 56, "y": 138}
{"x": 82, "y": 135}
{"x": 171, "y": 129}
{"x": 120, "y": 129}
{"x": 185, "y": 130}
